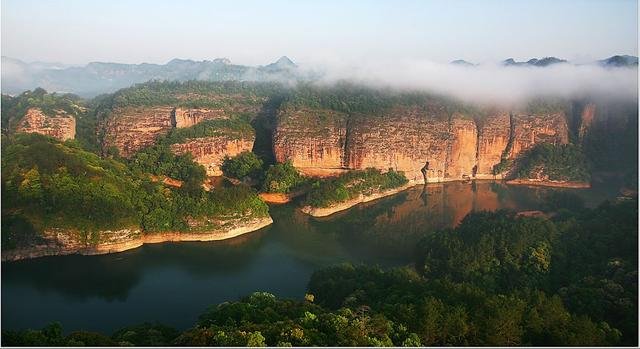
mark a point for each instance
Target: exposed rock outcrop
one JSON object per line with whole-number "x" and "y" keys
{"x": 211, "y": 151}
{"x": 311, "y": 140}
{"x": 529, "y": 130}
{"x": 492, "y": 141}
{"x": 586, "y": 119}
{"x": 404, "y": 139}
{"x": 426, "y": 143}
{"x": 62, "y": 126}
{"x": 183, "y": 117}
{"x": 134, "y": 128}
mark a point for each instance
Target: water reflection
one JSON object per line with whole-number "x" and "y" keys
{"x": 174, "y": 282}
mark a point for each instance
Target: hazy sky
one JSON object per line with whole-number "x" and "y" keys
{"x": 258, "y": 32}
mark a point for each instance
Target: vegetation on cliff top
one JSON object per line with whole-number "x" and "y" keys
{"x": 193, "y": 94}
{"x": 352, "y": 184}
{"x": 496, "y": 280}
{"x": 230, "y": 128}
{"x": 557, "y": 162}
{"x": 351, "y": 98}
{"x": 15, "y": 108}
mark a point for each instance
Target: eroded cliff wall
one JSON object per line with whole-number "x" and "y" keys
{"x": 313, "y": 140}
{"x": 211, "y": 151}
{"x": 62, "y": 126}
{"x": 134, "y": 128}
{"x": 420, "y": 141}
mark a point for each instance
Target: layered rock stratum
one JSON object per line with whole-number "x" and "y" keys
{"x": 427, "y": 144}
{"x": 61, "y": 126}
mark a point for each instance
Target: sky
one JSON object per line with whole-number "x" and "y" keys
{"x": 258, "y": 32}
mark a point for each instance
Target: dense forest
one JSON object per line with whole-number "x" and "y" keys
{"x": 498, "y": 279}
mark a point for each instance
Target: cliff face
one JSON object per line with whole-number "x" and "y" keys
{"x": 210, "y": 151}
{"x": 492, "y": 141}
{"x": 415, "y": 140}
{"x": 586, "y": 119}
{"x": 183, "y": 117}
{"x": 313, "y": 140}
{"x": 404, "y": 139}
{"x": 529, "y": 130}
{"x": 62, "y": 126}
{"x": 134, "y": 128}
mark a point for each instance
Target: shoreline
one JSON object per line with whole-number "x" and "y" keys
{"x": 568, "y": 184}
{"x": 327, "y": 211}
{"x": 281, "y": 198}
{"x": 141, "y": 239}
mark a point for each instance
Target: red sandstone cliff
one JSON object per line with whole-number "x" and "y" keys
{"x": 211, "y": 151}
{"x": 62, "y": 126}
{"x": 312, "y": 139}
{"x": 134, "y": 128}
{"x": 411, "y": 139}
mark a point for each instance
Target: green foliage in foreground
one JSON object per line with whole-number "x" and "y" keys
{"x": 245, "y": 164}
{"x": 562, "y": 162}
{"x": 49, "y": 184}
{"x": 282, "y": 178}
{"x": 496, "y": 280}
{"x": 352, "y": 184}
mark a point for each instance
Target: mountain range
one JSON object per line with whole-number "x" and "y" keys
{"x": 613, "y": 61}
{"x": 101, "y": 77}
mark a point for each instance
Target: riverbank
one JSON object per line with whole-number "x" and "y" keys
{"x": 281, "y": 198}
{"x": 327, "y": 211}
{"x": 547, "y": 183}
{"x": 127, "y": 239}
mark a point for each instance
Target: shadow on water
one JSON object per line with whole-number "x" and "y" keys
{"x": 174, "y": 282}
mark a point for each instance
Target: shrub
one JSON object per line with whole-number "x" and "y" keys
{"x": 282, "y": 178}
{"x": 245, "y": 164}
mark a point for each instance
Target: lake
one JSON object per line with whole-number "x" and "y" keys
{"x": 175, "y": 282}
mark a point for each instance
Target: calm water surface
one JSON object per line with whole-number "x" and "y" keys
{"x": 174, "y": 282}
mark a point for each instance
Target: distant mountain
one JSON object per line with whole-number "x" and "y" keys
{"x": 462, "y": 62}
{"x": 534, "y": 62}
{"x": 101, "y": 77}
{"x": 620, "y": 61}
{"x": 282, "y": 63}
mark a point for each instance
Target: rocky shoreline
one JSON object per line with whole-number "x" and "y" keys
{"x": 133, "y": 239}
{"x": 327, "y": 211}
{"x": 281, "y": 198}
{"x": 548, "y": 183}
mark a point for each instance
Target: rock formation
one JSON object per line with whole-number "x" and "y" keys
{"x": 425, "y": 143}
{"x": 134, "y": 128}
{"x": 313, "y": 140}
{"x": 211, "y": 151}
{"x": 62, "y": 126}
